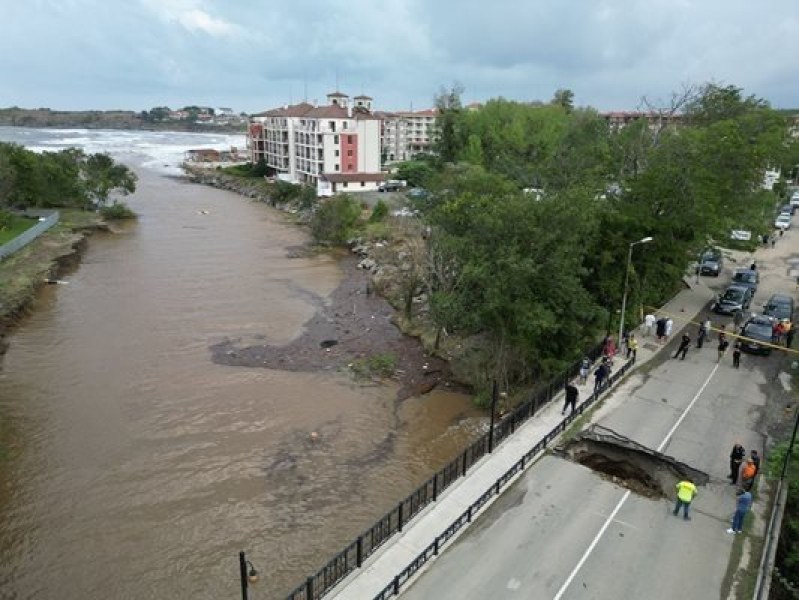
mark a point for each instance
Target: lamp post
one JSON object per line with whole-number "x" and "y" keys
{"x": 645, "y": 240}
{"x": 246, "y": 577}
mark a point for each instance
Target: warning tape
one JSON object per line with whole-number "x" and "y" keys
{"x": 726, "y": 332}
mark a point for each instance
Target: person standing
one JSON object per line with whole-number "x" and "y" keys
{"x": 609, "y": 348}
{"x": 585, "y": 368}
{"x": 736, "y": 355}
{"x": 700, "y": 336}
{"x": 649, "y": 324}
{"x": 660, "y": 328}
{"x": 738, "y": 319}
{"x": 669, "y": 327}
{"x": 789, "y": 336}
{"x": 600, "y": 375}
{"x": 684, "y": 344}
{"x": 571, "y": 399}
{"x": 686, "y": 492}
{"x": 632, "y": 347}
{"x": 747, "y": 476}
{"x": 723, "y": 345}
{"x": 736, "y": 458}
{"x": 742, "y": 505}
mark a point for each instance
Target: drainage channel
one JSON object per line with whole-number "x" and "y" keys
{"x": 627, "y": 463}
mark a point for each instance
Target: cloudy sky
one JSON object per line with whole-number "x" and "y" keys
{"x": 256, "y": 54}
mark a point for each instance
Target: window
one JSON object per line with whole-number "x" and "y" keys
{"x": 345, "y": 184}
{"x": 336, "y": 152}
{"x": 349, "y": 139}
{"x": 349, "y": 152}
{"x": 336, "y": 166}
{"x": 332, "y": 125}
{"x": 363, "y": 184}
{"x": 335, "y": 139}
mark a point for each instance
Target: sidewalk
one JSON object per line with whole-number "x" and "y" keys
{"x": 396, "y": 554}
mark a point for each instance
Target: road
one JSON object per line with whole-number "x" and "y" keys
{"x": 564, "y": 532}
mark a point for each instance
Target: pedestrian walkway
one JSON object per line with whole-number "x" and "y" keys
{"x": 381, "y": 568}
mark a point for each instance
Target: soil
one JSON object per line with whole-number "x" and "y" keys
{"x": 350, "y": 325}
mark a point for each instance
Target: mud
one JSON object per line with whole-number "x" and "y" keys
{"x": 348, "y": 326}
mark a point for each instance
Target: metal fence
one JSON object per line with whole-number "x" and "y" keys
{"x": 369, "y": 541}
{"x": 27, "y": 236}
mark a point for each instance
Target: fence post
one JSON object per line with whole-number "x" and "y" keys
{"x": 396, "y": 585}
{"x": 399, "y": 510}
{"x": 469, "y": 515}
{"x": 435, "y": 487}
{"x": 359, "y": 552}
{"x": 309, "y": 588}
{"x": 464, "y": 461}
{"x": 435, "y": 547}
{"x": 494, "y": 395}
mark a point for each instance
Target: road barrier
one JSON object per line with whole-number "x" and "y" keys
{"x": 354, "y": 555}
{"x": 27, "y": 236}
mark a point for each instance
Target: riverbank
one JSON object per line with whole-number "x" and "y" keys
{"x": 49, "y": 257}
{"x": 352, "y": 329}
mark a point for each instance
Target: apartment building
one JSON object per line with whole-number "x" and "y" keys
{"x": 334, "y": 147}
{"x": 405, "y": 134}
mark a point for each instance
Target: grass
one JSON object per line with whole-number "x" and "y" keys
{"x": 377, "y": 365}
{"x": 18, "y": 225}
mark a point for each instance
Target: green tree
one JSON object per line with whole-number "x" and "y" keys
{"x": 102, "y": 176}
{"x": 564, "y": 99}
{"x": 335, "y": 219}
{"x": 416, "y": 172}
{"x": 449, "y": 135}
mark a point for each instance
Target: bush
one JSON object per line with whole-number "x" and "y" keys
{"x": 379, "y": 212}
{"x": 5, "y": 219}
{"x": 379, "y": 365}
{"x": 335, "y": 220}
{"x": 118, "y": 210}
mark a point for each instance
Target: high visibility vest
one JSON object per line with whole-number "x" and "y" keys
{"x": 686, "y": 491}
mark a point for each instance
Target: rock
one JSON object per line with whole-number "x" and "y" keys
{"x": 367, "y": 263}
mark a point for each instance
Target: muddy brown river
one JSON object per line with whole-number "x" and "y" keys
{"x": 138, "y": 468}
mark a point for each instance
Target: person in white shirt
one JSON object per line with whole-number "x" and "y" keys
{"x": 649, "y": 324}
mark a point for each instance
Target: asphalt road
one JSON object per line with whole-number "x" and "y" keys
{"x": 563, "y": 531}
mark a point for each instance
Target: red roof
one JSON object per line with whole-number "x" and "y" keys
{"x": 350, "y": 177}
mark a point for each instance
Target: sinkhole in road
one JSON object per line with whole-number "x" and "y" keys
{"x": 627, "y": 463}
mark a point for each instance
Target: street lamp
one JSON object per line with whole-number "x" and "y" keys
{"x": 247, "y": 577}
{"x": 645, "y": 240}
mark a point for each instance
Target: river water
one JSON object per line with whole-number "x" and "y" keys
{"x": 134, "y": 467}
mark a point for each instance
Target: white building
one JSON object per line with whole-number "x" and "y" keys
{"x": 334, "y": 147}
{"x": 405, "y": 134}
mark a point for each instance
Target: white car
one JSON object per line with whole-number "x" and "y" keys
{"x": 795, "y": 199}
{"x": 783, "y": 222}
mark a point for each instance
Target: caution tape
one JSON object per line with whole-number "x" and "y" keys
{"x": 723, "y": 330}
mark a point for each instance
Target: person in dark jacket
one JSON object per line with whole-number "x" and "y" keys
{"x": 684, "y": 343}
{"x": 660, "y": 328}
{"x": 755, "y": 458}
{"x": 736, "y": 458}
{"x": 600, "y": 375}
{"x": 571, "y": 398}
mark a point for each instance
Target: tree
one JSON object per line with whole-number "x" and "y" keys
{"x": 335, "y": 219}
{"x": 563, "y": 98}
{"x": 102, "y": 176}
{"x": 416, "y": 172}
{"x": 448, "y": 104}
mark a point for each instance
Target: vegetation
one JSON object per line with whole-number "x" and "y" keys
{"x": 538, "y": 277}
{"x": 335, "y": 220}
{"x": 377, "y": 365}
{"x": 786, "y": 580}
{"x": 68, "y": 178}
{"x": 117, "y": 211}
{"x": 11, "y": 226}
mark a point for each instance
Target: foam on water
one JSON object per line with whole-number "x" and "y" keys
{"x": 160, "y": 151}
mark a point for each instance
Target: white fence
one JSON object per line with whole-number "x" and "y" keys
{"x": 27, "y": 236}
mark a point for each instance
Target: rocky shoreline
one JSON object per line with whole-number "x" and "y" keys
{"x": 349, "y": 326}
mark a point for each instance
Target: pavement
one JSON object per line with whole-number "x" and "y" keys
{"x": 563, "y": 531}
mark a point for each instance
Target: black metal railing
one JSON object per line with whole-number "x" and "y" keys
{"x": 353, "y": 556}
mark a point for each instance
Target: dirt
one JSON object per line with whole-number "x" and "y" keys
{"x": 349, "y": 326}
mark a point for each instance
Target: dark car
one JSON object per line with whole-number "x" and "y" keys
{"x": 756, "y": 335}
{"x": 746, "y": 277}
{"x": 779, "y": 306}
{"x": 734, "y": 298}
{"x": 711, "y": 262}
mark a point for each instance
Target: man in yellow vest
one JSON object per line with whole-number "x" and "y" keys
{"x": 686, "y": 491}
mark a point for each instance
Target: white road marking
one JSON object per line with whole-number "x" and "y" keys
{"x": 626, "y": 495}
{"x": 785, "y": 380}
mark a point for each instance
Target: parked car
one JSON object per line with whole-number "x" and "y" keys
{"x": 782, "y": 222}
{"x": 779, "y": 306}
{"x": 795, "y": 200}
{"x": 711, "y": 262}
{"x": 733, "y": 299}
{"x": 787, "y": 209}
{"x": 756, "y": 335}
{"x": 746, "y": 277}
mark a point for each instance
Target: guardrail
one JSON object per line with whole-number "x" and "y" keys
{"x": 393, "y": 588}
{"x": 27, "y": 236}
{"x": 353, "y": 556}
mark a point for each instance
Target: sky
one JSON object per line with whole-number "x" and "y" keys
{"x": 252, "y": 55}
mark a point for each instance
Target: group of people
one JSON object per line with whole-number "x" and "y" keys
{"x": 662, "y": 327}
{"x": 743, "y": 471}
{"x": 703, "y": 335}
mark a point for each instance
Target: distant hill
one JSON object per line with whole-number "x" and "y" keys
{"x": 106, "y": 119}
